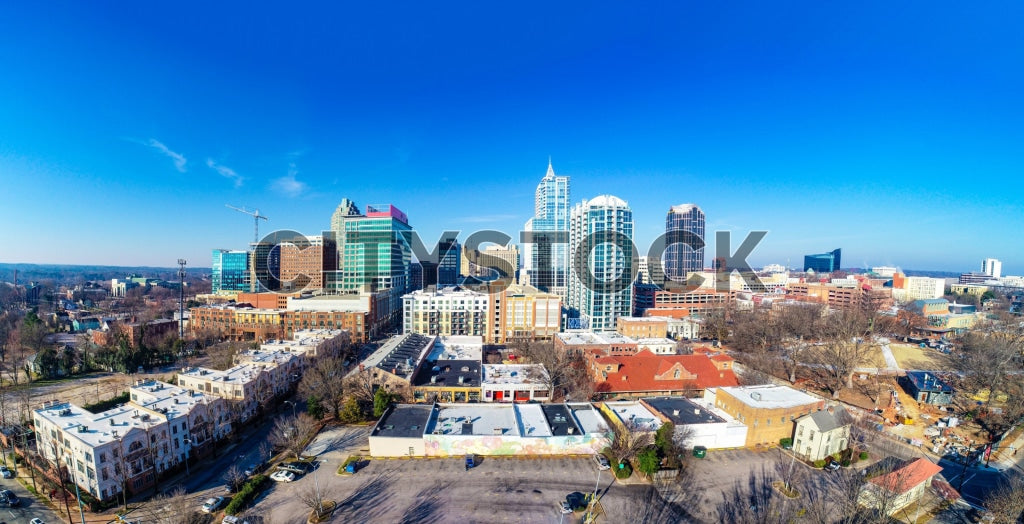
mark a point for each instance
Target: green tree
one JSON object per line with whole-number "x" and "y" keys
{"x": 352, "y": 411}
{"x": 314, "y": 408}
{"x": 648, "y": 462}
{"x": 663, "y": 438}
{"x": 381, "y": 400}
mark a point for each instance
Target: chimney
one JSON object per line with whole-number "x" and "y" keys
{"x": 675, "y": 412}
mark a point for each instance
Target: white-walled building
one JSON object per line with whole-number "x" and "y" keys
{"x": 447, "y": 311}
{"x": 698, "y": 423}
{"x": 909, "y": 289}
{"x": 515, "y": 383}
{"x": 126, "y": 447}
{"x": 821, "y": 433}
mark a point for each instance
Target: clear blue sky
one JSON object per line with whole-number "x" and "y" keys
{"x": 891, "y": 130}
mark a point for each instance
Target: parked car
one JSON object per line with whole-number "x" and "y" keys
{"x": 6, "y": 472}
{"x": 832, "y": 465}
{"x": 300, "y": 467}
{"x": 602, "y": 462}
{"x": 283, "y": 476}
{"x": 36, "y": 520}
{"x": 231, "y": 519}
{"x": 252, "y": 469}
{"x": 8, "y": 498}
{"x": 564, "y": 507}
{"x": 212, "y": 504}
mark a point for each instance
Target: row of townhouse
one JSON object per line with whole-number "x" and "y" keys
{"x": 124, "y": 449}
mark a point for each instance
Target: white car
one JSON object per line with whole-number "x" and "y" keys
{"x": 283, "y": 476}
{"x": 36, "y": 520}
{"x": 212, "y": 504}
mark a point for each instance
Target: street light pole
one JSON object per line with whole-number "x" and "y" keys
{"x": 293, "y": 407}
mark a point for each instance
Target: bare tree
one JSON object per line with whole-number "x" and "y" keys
{"x": 234, "y": 477}
{"x": 1005, "y": 503}
{"x": 292, "y": 433}
{"x": 325, "y": 380}
{"x": 755, "y": 501}
{"x": 174, "y": 507}
{"x": 568, "y": 378}
{"x": 990, "y": 359}
{"x": 843, "y": 350}
{"x": 629, "y": 441}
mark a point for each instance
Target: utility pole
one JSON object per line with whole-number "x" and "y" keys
{"x": 181, "y": 298}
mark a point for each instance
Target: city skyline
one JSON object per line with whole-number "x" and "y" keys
{"x": 124, "y": 132}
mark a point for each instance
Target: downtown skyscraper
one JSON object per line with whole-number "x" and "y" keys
{"x": 601, "y": 257}
{"x": 684, "y": 240}
{"x": 545, "y": 253}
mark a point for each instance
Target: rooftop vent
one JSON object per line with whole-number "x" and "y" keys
{"x": 675, "y": 412}
{"x": 756, "y": 395}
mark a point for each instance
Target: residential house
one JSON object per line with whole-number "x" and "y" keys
{"x": 822, "y": 433}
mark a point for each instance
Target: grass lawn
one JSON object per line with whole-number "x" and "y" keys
{"x": 910, "y": 356}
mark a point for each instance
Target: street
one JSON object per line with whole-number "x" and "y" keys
{"x": 29, "y": 507}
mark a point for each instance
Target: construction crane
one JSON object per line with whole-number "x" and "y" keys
{"x": 256, "y": 216}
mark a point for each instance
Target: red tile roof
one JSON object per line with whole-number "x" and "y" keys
{"x": 639, "y": 373}
{"x": 906, "y": 478}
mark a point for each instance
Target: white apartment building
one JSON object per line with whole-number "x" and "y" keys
{"x": 449, "y": 311}
{"x": 125, "y": 448}
{"x": 992, "y": 267}
{"x": 246, "y": 386}
{"x": 918, "y": 288}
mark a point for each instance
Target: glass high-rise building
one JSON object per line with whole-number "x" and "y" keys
{"x": 374, "y": 249}
{"x": 823, "y": 262}
{"x": 545, "y": 253}
{"x": 230, "y": 271}
{"x": 601, "y": 254}
{"x": 684, "y": 231}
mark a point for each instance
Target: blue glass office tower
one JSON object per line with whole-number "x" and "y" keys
{"x": 824, "y": 262}
{"x": 684, "y": 238}
{"x": 230, "y": 271}
{"x": 545, "y": 253}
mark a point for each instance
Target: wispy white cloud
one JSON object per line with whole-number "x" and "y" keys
{"x": 288, "y": 184}
{"x": 225, "y": 171}
{"x": 178, "y": 158}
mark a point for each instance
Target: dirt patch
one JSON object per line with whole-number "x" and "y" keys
{"x": 909, "y": 356}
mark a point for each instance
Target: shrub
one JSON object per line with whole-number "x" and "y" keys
{"x": 663, "y": 438}
{"x": 819, "y": 463}
{"x": 863, "y": 455}
{"x": 112, "y": 402}
{"x": 624, "y": 471}
{"x": 245, "y": 495}
{"x": 845, "y": 463}
{"x": 647, "y": 461}
{"x": 786, "y": 443}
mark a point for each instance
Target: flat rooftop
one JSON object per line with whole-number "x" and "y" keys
{"x": 589, "y": 419}
{"x": 405, "y": 421}
{"x": 479, "y": 419}
{"x": 683, "y": 411}
{"x": 533, "y": 421}
{"x": 770, "y": 396}
{"x": 448, "y": 373}
{"x": 634, "y": 413}
{"x": 560, "y": 420}
{"x": 458, "y": 348}
{"x": 514, "y": 374}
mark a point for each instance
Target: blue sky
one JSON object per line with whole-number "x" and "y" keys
{"x": 891, "y": 131}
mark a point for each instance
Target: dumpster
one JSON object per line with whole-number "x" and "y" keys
{"x": 470, "y": 462}
{"x": 700, "y": 451}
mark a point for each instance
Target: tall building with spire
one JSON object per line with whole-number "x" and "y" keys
{"x": 601, "y": 253}
{"x": 545, "y": 253}
{"x": 684, "y": 232}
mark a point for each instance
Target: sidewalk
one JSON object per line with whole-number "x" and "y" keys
{"x": 1005, "y": 457}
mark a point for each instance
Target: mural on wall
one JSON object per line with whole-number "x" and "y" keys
{"x": 448, "y": 445}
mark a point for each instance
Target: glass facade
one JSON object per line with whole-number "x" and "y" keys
{"x": 545, "y": 253}
{"x": 230, "y": 270}
{"x": 684, "y": 232}
{"x": 824, "y": 262}
{"x": 602, "y": 255}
